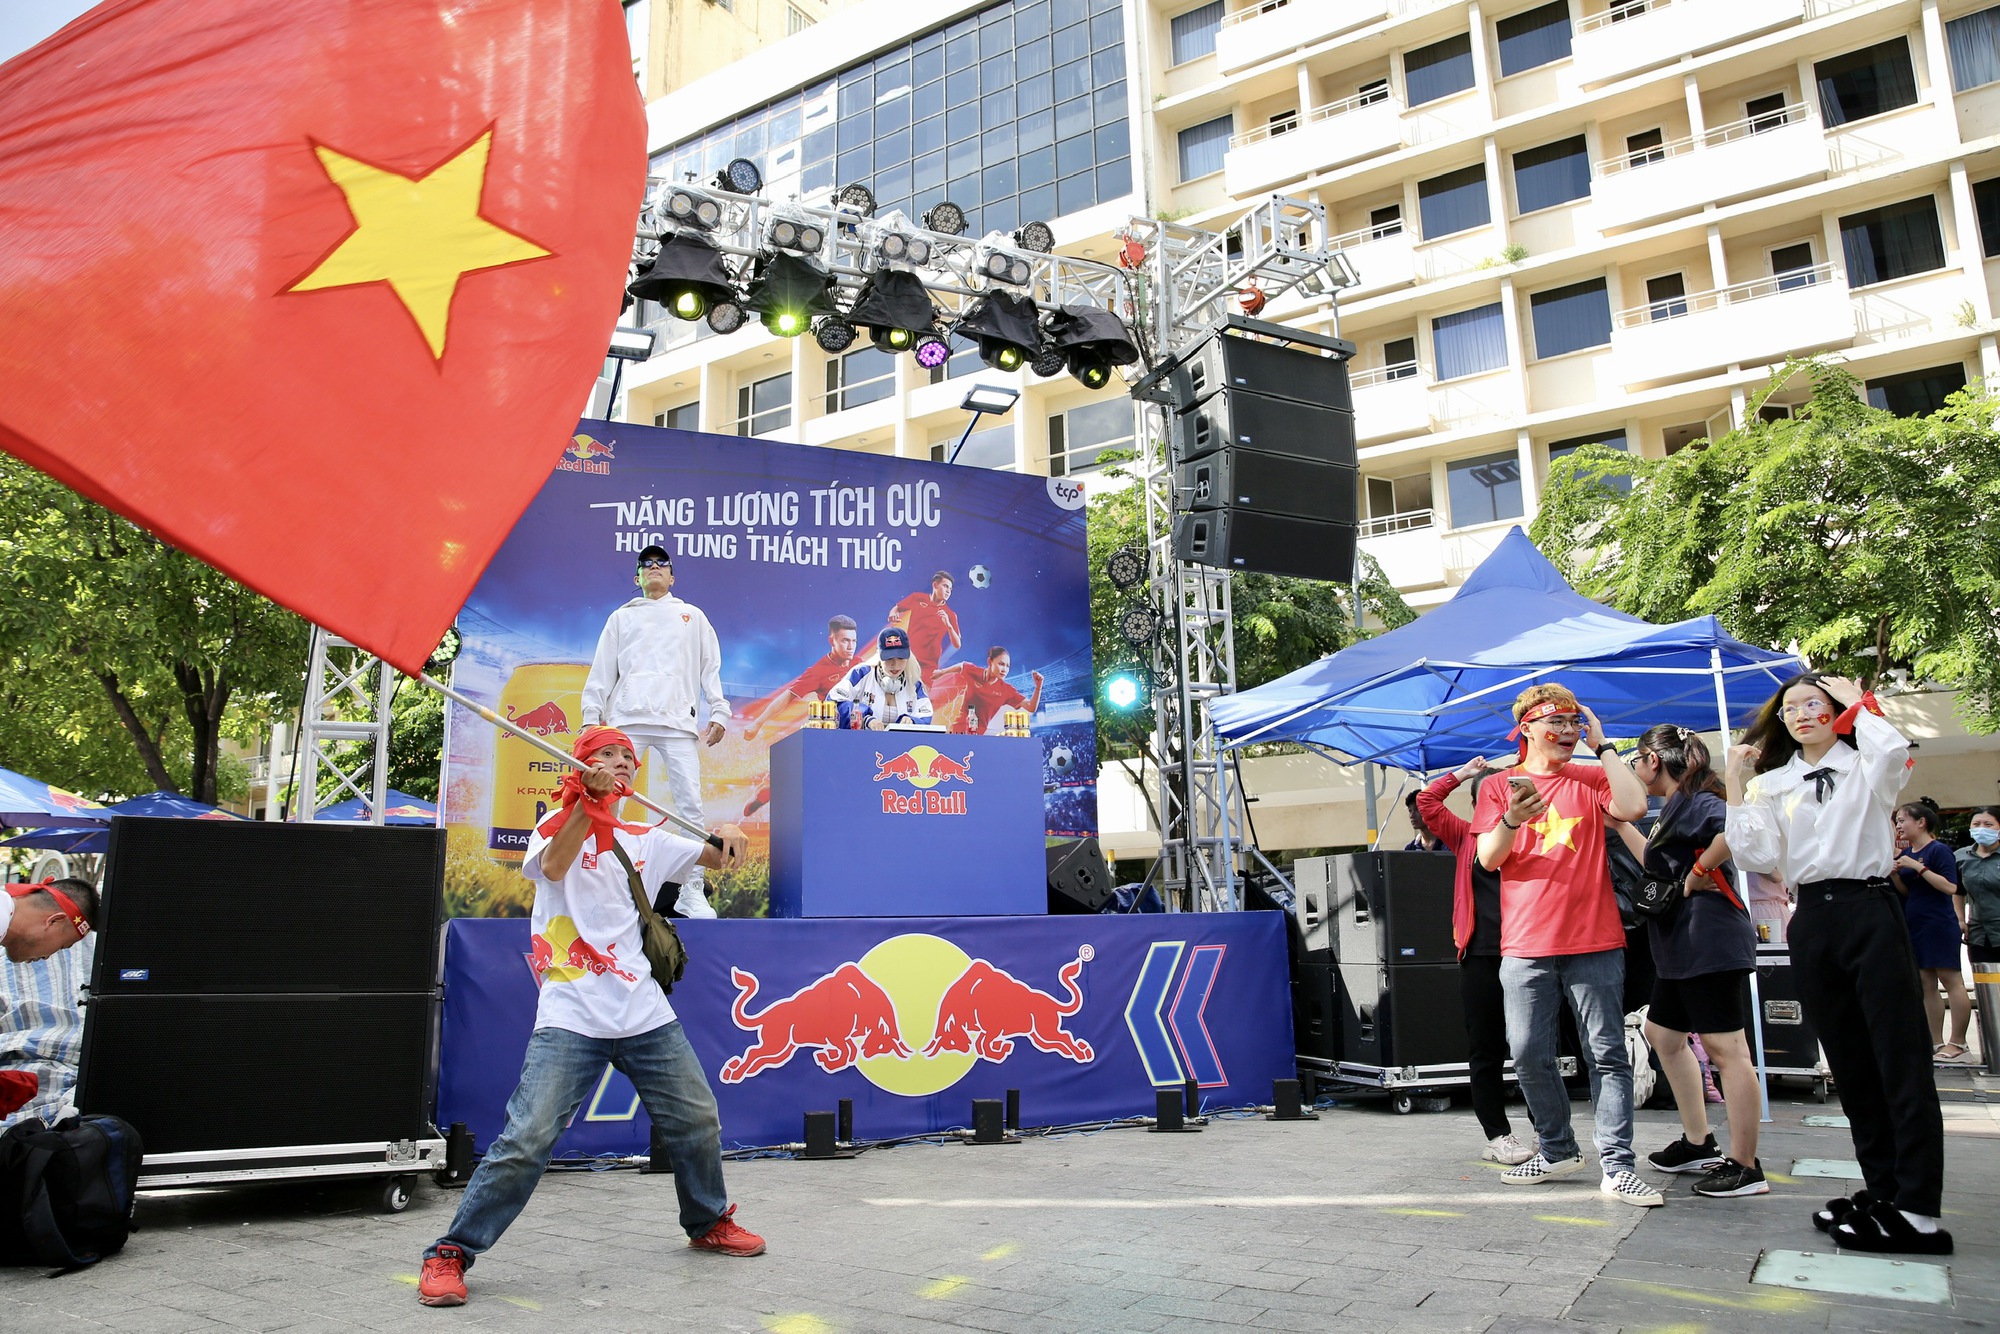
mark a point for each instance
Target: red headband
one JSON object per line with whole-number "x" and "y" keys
{"x": 63, "y": 901}
{"x": 595, "y": 739}
{"x": 1535, "y": 713}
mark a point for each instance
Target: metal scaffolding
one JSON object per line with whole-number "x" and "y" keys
{"x": 344, "y": 725}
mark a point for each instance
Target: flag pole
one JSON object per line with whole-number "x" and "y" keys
{"x": 687, "y": 826}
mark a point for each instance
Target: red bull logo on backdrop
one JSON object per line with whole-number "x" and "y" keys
{"x": 913, "y": 1015}
{"x": 923, "y": 768}
{"x": 586, "y": 454}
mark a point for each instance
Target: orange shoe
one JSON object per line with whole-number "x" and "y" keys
{"x": 725, "y": 1237}
{"x": 443, "y": 1279}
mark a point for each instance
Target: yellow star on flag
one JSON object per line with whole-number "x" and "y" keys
{"x": 1556, "y": 828}
{"x": 420, "y": 235}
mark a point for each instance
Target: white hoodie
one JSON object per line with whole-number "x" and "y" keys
{"x": 658, "y": 665}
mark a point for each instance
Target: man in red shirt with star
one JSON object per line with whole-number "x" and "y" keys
{"x": 814, "y": 681}
{"x": 930, "y": 623}
{"x": 983, "y": 693}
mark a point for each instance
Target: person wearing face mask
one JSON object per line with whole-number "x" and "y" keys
{"x": 1979, "y": 882}
{"x": 1810, "y": 793}
{"x": 1927, "y": 877}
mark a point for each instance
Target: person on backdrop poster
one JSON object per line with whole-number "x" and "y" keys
{"x": 657, "y": 677}
{"x": 889, "y": 692}
{"x": 932, "y": 625}
{"x": 813, "y": 682}
{"x": 981, "y": 692}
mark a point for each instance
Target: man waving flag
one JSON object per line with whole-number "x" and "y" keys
{"x": 316, "y": 293}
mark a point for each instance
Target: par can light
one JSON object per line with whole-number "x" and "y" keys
{"x": 725, "y": 317}
{"x": 932, "y": 351}
{"x": 834, "y": 334}
{"x": 945, "y": 217}
{"x": 740, "y": 177}
{"x": 1036, "y": 236}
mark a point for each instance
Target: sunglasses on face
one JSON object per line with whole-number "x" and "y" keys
{"x": 656, "y": 565}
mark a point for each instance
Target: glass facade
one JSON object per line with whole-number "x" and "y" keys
{"x": 1015, "y": 113}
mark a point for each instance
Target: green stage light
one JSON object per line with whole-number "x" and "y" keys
{"x": 1122, "y": 692}
{"x": 690, "y": 306}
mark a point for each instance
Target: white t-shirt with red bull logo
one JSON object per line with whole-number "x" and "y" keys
{"x": 588, "y": 955}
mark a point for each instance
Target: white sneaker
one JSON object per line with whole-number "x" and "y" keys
{"x": 693, "y": 901}
{"x": 1537, "y": 1169}
{"x": 1506, "y": 1149}
{"x": 1625, "y": 1186}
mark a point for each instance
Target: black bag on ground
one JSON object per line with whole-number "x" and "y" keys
{"x": 66, "y": 1192}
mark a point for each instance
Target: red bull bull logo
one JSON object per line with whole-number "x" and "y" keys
{"x": 543, "y": 720}
{"x": 913, "y": 1016}
{"x": 70, "y": 801}
{"x": 923, "y": 768}
{"x": 562, "y": 955}
{"x": 586, "y": 454}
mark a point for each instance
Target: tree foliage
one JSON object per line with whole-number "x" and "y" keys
{"x": 1282, "y": 624}
{"x": 126, "y": 662}
{"x": 1865, "y": 538}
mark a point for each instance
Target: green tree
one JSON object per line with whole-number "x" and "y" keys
{"x": 128, "y": 661}
{"x": 1866, "y": 538}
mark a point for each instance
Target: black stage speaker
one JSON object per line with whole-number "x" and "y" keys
{"x": 1404, "y": 1014}
{"x": 265, "y": 985}
{"x": 203, "y": 906}
{"x": 1228, "y": 361}
{"x": 1317, "y": 1023}
{"x": 1239, "y": 420}
{"x": 1266, "y": 544}
{"x": 1245, "y": 479}
{"x": 1079, "y": 881}
{"x": 1393, "y": 907}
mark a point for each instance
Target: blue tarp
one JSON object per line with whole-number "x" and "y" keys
{"x": 1433, "y": 694}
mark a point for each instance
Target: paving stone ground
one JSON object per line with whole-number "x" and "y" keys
{"x": 1363, "y": 1220}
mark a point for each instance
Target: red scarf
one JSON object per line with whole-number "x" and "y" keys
{"x": 602, "y": 812}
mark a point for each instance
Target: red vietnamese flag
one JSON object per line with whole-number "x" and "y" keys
{"x": 317, "y": 292}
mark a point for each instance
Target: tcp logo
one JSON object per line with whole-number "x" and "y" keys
{"x": 1066, "y": 493}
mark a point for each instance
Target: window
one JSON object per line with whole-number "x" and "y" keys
{"x": 1203, "y": 145}
{"x": 1453, "y": 202}
{"x": 865, "y": 375}
{"x": 1765, "y": 113}
{"x": 1284, "y": 123}
{"x": 1916, "y": 393}
{"x": 1569, "y": 319}
{"x": 1484, "y": 490}
{"x": 1406, "y": 495}
{"x": 1975, "y": 49}
{"x": 1552, "y": 174}
{"x": 795, "y": 21}
{"x": 1892, "y": 242}
{"x": 1986, "y": 200}
{"x": 764, "y": 406}
{"x": 1867, "y": 82}
{"x": 990, "y": 448}
{"x": 1562, "y": 449}
{"x": 1077, "y": 438}
{"x": 1624, "y": 10}
{"x": 1371, "y": 92}
{"x": 1194, "y": 32}
{"x": 1431, "y": 72}
{"x": 1538, "y": 37}
{"x": 1388, "y": 221}
{"x": 1644, "y": 147}
{"x": 1666, "y": 296}
{"x": 1469, "y": 342}
{"x": 1399, "y": 359}
{"x": 1792, "y": 265}
{"x": 686, "y": 417}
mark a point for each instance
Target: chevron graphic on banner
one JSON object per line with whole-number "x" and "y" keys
{"x": 1167, "y": 1014}
{"x": 597, "y": 1111}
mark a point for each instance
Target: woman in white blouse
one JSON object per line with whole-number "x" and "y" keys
{"x": 1827, "y": 771}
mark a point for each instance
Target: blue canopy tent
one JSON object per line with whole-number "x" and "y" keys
{"x": 28, "y": 803}
{"x": 1433, "y": 694}
{"x": 156, "y": 805}
{"x": 397, "y": 808}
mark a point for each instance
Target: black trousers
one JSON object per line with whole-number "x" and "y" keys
{"x": 1857, "y": 979}
{"x": 1486, "y": 1031}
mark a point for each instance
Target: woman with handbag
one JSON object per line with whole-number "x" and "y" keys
{"x": 1704, "y": 949}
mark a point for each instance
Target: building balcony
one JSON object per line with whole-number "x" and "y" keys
{"x": 1748, "y": 324}
{"x": 1273, "y": 28}
{"x": 1331, "y": 136}
{"x": 1391, "y": 403}
{"x": 1381, "y": 257}
{"x": 1740, "y": 160}
{"x": 1647, "y": 34}
{"x": 1408, "y": 547}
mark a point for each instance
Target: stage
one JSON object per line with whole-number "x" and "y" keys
{"x": 912, "y": 1018}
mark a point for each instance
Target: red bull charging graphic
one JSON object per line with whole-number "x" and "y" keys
{"x": 924, "y": 769}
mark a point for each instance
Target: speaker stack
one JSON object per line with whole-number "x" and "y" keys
{"x": 266, "y": 994}
{"x": 1264, "y": 453}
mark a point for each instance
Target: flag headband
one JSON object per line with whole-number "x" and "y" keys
{"x": 63, "y": 901}
{"x": 594, "y": 739}
{"x": 1537, "y": 712}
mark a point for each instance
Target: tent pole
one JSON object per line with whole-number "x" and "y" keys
{"x": 1743, "y": 892}
{"x": 1367, "y": 770}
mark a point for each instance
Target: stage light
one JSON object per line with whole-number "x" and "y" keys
{"x": 834, "y": 334}
{"x": 689, "y": 209}
{"x": 932, "y": 351}
{"x": 687, "y": 276}
{"x": 895, "y": 309}
{"x": 631, "y": 344}
{"x": 1036, "y": 236}
{"x": 990, "y": 399}
{"x": 855, "y": 199}
{"x": 1005, "y": 326}
{"x": 1047, "y": 362}
{"x": 788, "y": 291}
{"x": 740, "y": 177}
{"x": 897, "y": 248}
{"x": 1001, "y": 267}
{"x": 1092, "y": 341}
{"x": 796, "y": 234}
{"x": 446, "y": 651}
{"x": 725, "y": 317}
{"x": 1126, "y": 568}
{"x": 1122, "y": 691}
{"x": 1139, "y": 626}
{"x": 945, "y": 217}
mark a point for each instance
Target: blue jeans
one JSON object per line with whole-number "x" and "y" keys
{"x": 561, "y": 1068}
{"x": 1595, "y": 986}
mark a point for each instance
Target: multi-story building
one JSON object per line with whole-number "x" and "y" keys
{"x": 675, "y": 42}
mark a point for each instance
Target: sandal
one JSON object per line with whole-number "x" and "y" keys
{"x": 1882, "y": 1228}
{"x": 1949, "y": 1053}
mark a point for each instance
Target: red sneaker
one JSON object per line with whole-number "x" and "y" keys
{"x": 725, "y": 1237}
{"x": 443, "y": 1280}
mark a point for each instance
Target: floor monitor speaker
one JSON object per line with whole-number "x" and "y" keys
{"x": 1403, "y": 1014}
{"x": 1079, "y": 879}
{"x": 1266, "y": 544}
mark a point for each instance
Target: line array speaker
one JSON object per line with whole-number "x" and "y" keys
{"x": 1226, "y": 361}
{"x": 1245, "y": 479}
{"x": 1266, "y": 543}
{"x": 1240, "y": 419}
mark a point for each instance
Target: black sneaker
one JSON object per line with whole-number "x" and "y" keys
{"x": 1733, "y": 1178}
{"x": 1681, "y": 1156}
